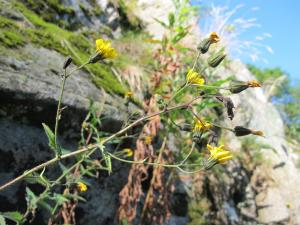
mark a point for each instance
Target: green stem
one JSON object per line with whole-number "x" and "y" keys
{"x": 188, "y": 155}
{"x": 78, "y": 68}
{"x": 86, "y": 149}
{"x": 58, "y": 112}
{"x": 177, "y": 93}
{"x": 226, "y": 128}
{"x": 198, "y": 55}
{"x": 211, "y": 86}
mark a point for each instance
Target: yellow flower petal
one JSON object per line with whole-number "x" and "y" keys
{"x": 128, "y": 152}
{"x": 218, "y": 153}
{"x": 214, "y": 37}
{"x": 201, "y": 126}
{"x": 81, "y": 187}
{"x": 225, "y": 159}
{"x": 193, "y": 77}
{"x": 209, "y": 147}
{"x": 105, "y": 50}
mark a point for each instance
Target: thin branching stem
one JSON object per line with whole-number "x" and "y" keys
{"x": 92, "y": 146}
{"x": 58, "y": 112}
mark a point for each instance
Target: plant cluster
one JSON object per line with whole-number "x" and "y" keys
{"x": 181, "y": 107}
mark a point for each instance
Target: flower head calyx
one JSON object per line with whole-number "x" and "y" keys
{"x": 193, "y": 77}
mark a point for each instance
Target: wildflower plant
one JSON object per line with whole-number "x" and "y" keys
{"x": 193, "y": 89}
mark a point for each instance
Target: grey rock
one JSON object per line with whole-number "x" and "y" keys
{"x": 29, "y": 91}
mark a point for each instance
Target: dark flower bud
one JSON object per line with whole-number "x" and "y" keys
{"x": 238, "y": 86}
{"x": 197, "y": 137}
{"x": 242, "y": 131}
{"x": 216, "y": 59}
{"x": 186, "y": 127}
{"x": 204, "y": 45}
{"x": 228, "y": 103}
{"x": 67, "y": 62}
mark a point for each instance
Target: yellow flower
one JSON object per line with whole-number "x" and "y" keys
{"x": 253, "y": 83}
{"x": 104, "y": 49}
{"x": 214, "y": 37}
{"x": 193, "y": 77}
{"x": 128, "y": 94}
{"x": 201, "y": 126}
{"x": 128, "y": 152}
{"x": 81, "y": 187}
{"x": 219, "y": 154}
{"x": 148, "y": 140}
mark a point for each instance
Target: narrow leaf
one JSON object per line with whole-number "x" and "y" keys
{"x": 15, "y": 216}
{"x": 50, "y": 135}
{"x": 2, "y": 220}
{"x": 107, "y": 159}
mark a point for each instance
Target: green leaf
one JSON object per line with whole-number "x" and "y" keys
{"x": 14, "y": 216}
{"x": 179, "y": 36}
{"x": 60, "y": 199}
{"x": 171, "y": 18}
{"x": 161, "y": 23}
{"x": 36, "y": 179}
{"x": 45, "y": 205}
{"x": 107, "y": 158}
{"x": 2, "y": 220}
{"x": 31, "y": 199}
{"x": 75, "y": 197}
{"x": 50, "y": 135}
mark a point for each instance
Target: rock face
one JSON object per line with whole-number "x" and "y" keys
{"x": 277, "y": 201}
{"x": 29, "y": 91}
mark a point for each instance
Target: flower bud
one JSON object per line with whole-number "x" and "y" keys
{"x": 186, "y": 127}
{"x": 197, "y": 137}
{"x": 204, "y": 45}
{"x": 216, "y": 59}
{"x": 67, "y": 62}
{"x": 239, "y": 86}
{"x": 228, "y": 103}
{"x": 242, "y": 131}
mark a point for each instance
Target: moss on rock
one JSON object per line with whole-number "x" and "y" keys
{"x": 51, "y": 36}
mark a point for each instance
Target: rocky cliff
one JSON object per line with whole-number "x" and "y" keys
{"x": 259, "y": 187}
